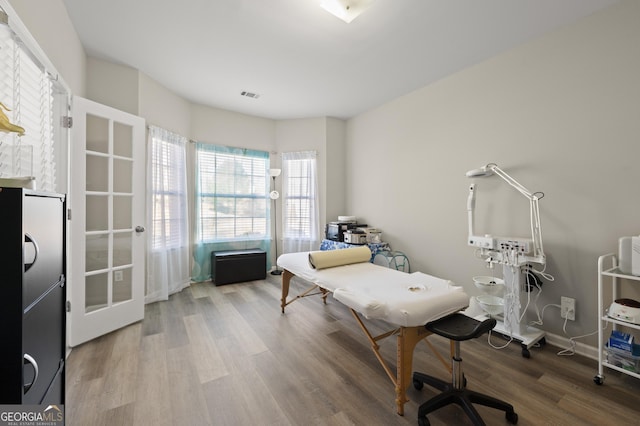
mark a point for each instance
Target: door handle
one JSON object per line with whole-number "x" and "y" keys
{"x": 28, "y": 359}
{"x": 140, "y": 229}
{"x": 29, "y": 239}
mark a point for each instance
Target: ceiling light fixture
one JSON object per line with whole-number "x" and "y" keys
{"x": 347, "y": 10}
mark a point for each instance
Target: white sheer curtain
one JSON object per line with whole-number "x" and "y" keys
{"x": 300, "y": 210}
{"x": 168, "y": 239}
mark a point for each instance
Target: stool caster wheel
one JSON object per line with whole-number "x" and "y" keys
{"x": 598, "y": 379}
{"x": 512, "y": 417}
{"x": 417, "y": 384}
{"x": 525, "y": 351}
{"x": 423, "y": 421}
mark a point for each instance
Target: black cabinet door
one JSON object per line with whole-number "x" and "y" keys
{"x": 33, "y": 296}
{"x": 43, "y": 246}
{"x": 42, "y": 337}
{"x": 55, "y": 393}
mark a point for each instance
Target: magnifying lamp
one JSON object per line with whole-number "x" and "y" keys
{"x": 481, "y": 172}
{"x": 533, "y": 197}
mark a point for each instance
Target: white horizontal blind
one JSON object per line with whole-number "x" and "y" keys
{"x": 27, "y": 89}
{"x": 299, "y": 199}
{"x": 232, "y": 187}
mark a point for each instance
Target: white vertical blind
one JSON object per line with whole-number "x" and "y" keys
{"x": 27, "y": 89}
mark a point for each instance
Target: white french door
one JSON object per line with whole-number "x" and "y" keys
{"x": 107, "y": 220}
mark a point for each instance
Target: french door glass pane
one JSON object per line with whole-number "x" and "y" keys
{"x": 97, "y": 134}
{"x": 122, "y": 287}
{"x": 97, "y": 216}
{"x": 97, "y": 252}
{"x": 122, "y": 215}
{"x": 97, "y": 173}
{"x": 96, "y": 293}
{"x": 122, "y": 176}
{"x": 122, "y": 140}
{"x": 122, "y": 249}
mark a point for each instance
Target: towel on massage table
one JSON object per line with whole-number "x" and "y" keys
{"x": 382, "y": 293}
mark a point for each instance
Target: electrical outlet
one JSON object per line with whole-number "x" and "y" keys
{"x": 568, "y": 308}
{"x": 117, "y": 275}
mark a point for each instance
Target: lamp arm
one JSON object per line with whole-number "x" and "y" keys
{"x": 534, "y": 211}
{"x": 471, "y": 206}
{"x": 536, "y": 231}
{"x": 511, "y": 181}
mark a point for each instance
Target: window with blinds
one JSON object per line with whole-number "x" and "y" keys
{"x": 231, "y": 194}
{"x": 299, "y": 195}
{"x": 27, "y": 89}
{"x": 168, "y": 188}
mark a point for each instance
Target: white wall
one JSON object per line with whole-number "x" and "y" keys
{"x": 559, "y": 114}
{"x": 161, "y": 107}
{"x": 213, "y": 125}
{"x": 334, "y": 166}
{"x": 113, "y": 84}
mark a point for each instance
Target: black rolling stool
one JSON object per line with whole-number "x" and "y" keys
{"x": 458, "y": 327}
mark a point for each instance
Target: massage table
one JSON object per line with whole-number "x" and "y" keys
{"x": 405, "y": 301}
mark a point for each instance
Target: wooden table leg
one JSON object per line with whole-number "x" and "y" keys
{"x": 286, "y": 279}
{"x": 408, "y": 338}
{"x": 325, "y": 293}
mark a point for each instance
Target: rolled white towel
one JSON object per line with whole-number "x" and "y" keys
{"x": 322, "y": 259}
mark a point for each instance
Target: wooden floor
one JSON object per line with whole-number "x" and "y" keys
{"x": 227, "y": 356}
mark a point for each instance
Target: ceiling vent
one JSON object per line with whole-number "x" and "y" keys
{"x": 250, "y": 95}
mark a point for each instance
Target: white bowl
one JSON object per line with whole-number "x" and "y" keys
{"x": 489, "y": 285}
{"x": 493, "y": 305}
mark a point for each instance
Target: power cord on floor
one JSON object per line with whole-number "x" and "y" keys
{"x": 571, "y": 350}
{"x": 498, "y": 347}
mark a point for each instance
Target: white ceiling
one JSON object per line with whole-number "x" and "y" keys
{"x": 302, "y": 61}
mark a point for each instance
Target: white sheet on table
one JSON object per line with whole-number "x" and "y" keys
{"x": 378, "y": 292}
